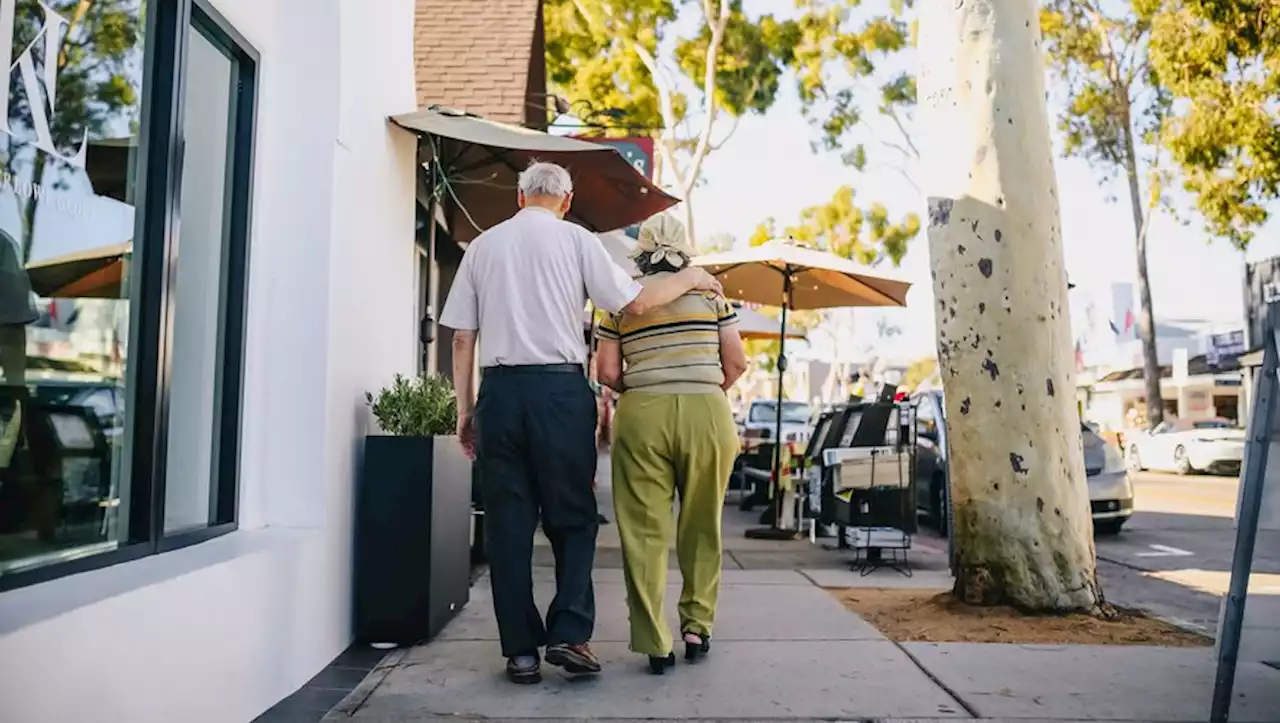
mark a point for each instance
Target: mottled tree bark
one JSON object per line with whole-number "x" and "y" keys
{"x": 1023, "y": 529}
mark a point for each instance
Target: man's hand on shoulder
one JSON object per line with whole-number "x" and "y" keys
{"x": 672, "y": 287}
{"x": 703, "y": 281}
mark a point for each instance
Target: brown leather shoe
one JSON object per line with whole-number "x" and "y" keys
{"x": 574, "y": 658}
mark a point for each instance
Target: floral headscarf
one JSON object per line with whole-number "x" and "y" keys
{"x": 662, "y": 237}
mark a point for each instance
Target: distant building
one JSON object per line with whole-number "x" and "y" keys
{"x": 1261, "y": 293}
{"x": 1109, "y": 362}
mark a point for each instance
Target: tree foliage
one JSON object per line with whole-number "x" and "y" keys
{"x": 1115, "y": 108}
{"x": 751, "y": 64}
{"x": 594, "y": 57}
{"x": 1114, "y": 101}
{"x": 844, "y": 47}
{"x": 604, "y": 55}
{"x": 918, "y": 372}
{"x": 613, "y": 60}
{"x": 1220, "y": 60}
{"x": 841, "y": 227}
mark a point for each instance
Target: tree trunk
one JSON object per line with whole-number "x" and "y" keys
{"x": 1023, "y": 529}
{"x": 1146, "y": 317}
{"x": 28, "y": 209}
{"x": 686, "y": 207}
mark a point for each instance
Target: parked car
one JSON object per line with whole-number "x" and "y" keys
{"x": 1186, "y": 446}
{"x": 1110, "y": 490}
{"x": 761, "y": 421}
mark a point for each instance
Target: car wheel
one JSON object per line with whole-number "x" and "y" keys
{"x": 1135, "y": 459}
{"x": 1107, "y": 527}
{"x": 938, "y": 509}
{"x": 1182, "y": 463}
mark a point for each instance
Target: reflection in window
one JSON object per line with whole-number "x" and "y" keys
{"x": 66, "y": 223}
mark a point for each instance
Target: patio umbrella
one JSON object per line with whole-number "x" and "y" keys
{"x": 97, "y": 273}
{"x": 754, "y": 325}
{"x": 476, "y": 163}
{"x": 621, "y": 247}
{"x": 780, "y": 273}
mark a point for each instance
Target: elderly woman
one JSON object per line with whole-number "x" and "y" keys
{"x": 673, "y": 436}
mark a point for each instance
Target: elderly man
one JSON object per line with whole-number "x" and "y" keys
{"x": 521, "y": 290}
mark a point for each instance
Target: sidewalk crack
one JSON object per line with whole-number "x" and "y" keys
{"x": 806, "y": 576}
{"x": 973, "y": 712}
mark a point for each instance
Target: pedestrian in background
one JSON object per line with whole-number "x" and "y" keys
{"x": 520, "y": 292}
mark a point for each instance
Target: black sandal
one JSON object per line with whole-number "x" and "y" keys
{"x": 658, "y": 665}
{"x": 695, "y": 650}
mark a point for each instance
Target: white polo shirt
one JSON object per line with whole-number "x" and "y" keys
{"x": 523, "y": 285}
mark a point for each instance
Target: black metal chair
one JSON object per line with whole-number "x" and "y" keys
{"x": 757, "y": 471}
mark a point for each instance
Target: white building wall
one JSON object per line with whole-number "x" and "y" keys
{"x": 220, "y": 631}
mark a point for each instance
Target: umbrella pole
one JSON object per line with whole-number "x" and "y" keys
{"x": 774, "y": 531}
{"x": 427, "y": 324}
{"x": 776, "y": 477}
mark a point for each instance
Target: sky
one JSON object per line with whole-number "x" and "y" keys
{"x": 768, "y": 170}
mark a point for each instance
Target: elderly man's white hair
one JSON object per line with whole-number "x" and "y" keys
{"x": 545, "y": 179}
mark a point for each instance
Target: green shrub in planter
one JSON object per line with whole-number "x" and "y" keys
{"x": 412, "y": 515}
{"x": 420, "y": 407}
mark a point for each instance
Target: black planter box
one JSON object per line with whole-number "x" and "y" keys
{"x": 412, "y": 534}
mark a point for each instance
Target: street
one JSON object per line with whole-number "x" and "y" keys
{"x": 1174, "y": 556}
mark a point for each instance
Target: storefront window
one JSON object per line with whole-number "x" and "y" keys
{"x": 67, "y": 208}
{"x": 121, "y": 358}
{"x": 199, "y": 301}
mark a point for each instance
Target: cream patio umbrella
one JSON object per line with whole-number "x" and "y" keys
{"x": 780, "y": 273}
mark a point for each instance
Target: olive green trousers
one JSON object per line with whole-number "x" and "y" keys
{"x": 667, "y": 446}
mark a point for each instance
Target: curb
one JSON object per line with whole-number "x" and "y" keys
{"x": 355, "y": 700}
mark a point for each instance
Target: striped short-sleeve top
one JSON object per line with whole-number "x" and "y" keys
{"x": 673, "y": 349}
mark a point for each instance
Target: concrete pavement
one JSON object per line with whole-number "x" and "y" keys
{"x": 1174, "y": 559}
{"x": 819, "y": 662}
{"x": 786, "y": 650}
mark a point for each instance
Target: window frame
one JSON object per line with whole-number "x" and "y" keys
{"x": 158, "y": 188}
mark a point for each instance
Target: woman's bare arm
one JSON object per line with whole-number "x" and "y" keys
{"x": 609, "y": 364}
{"x": 733, "y": 357}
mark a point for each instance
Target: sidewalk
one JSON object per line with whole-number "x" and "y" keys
{"x": 786, "y": 650}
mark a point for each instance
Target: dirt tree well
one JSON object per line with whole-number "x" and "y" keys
{"x": 1022, "y": 524}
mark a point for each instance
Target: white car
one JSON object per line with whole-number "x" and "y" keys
{"x": 1110, "y": 489}
{"x": 762, "y": 419}
{"x": 1188, "y": 446}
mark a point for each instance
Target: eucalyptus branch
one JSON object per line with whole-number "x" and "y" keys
{"x": 906, "y": 176}
{"x": 907, "y": 152}
{"x": 737, "y": 120}
{"x": 709, "y": 85}
{"x": 1154, "y": 198}
{"x": 893, "y": 115}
